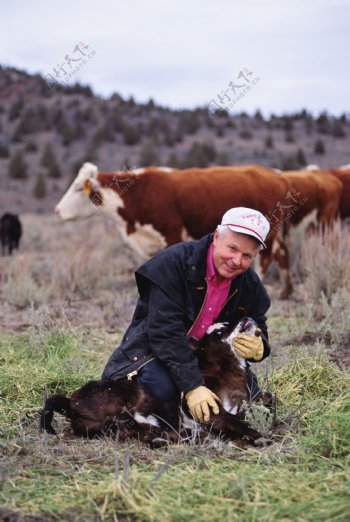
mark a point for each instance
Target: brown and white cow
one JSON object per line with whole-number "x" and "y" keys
{"x": 342, "y": 173}
{"x": 321, "y": 193}
{"x": 157, "y": 207}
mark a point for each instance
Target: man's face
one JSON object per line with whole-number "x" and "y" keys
{"x": 233, "y": 253}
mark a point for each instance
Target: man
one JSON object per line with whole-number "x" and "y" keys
{"x": 183, "y": 290}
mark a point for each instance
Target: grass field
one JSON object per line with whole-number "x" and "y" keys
{"x": 50, "y": 341}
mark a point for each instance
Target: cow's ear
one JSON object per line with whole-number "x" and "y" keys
{"x": 87, "y": 188}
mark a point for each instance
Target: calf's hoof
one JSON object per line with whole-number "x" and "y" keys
{"x": 158, "y": 442}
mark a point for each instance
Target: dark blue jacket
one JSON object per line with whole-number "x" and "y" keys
{"x": 172, "y": 289}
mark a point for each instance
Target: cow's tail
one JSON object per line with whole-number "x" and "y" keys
{"x": 60, "y": 404}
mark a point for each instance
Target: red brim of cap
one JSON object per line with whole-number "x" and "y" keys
{"x": 246, "y": 230}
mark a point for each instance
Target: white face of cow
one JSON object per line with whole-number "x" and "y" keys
{"x": 76, "y": 203}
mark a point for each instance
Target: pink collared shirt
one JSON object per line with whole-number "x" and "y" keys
{"x": 214, "y": 300}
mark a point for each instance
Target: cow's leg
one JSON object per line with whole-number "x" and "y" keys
{"x": 278, "y": 250}
{"x": 156, "y": 420}
{"x": 281, "y": 255}
{"x": 232, "y": 426}
{"x": 224, "y": 423}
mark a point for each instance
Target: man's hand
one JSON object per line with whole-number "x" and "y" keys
{"x": 249, "y": 347}
{"x": 199, "y": 400}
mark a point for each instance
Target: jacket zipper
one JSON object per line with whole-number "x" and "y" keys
{"x": 135, "y": 372}
{"x": 205, "y": 298}
{"x": 227, "y": 300}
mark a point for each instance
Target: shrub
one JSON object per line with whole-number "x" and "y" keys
{"x": 21, "y": 288}
{"x": 200, "y": 155}
{"x": 173, "y": 161}
{"x": 220, "y": 131}
{"x": 245, "y": 133}
{"x": 309, "y": 124}
{"x": 107, "y": 130}
{"x": 15, "y": 110}
{"x": 48, "y": 160}
{"x": 324, "y": 257}
{"x": 288, "y": 162}
{"x": 323, "y": 124}
{"x": 48, "y": 156}
{"x": 258, "y": 116}
{"x": 67, "y": 133}
{"x": 269, "y": 142}
{"x": 17, "y": 166}
{"x": 4, "y": 151}
{"x": 35, "y": 119}
{"x": 337, "y": 130}
{"x": 169, "y": 138}
{"x": 31, "y": 146}
{"x": 54, "y": 171}
{"x": 189, "y": 122}
{"x": 39, "y": 189}
{"x": 131, "y": 135}
{"x": 148, "y": 155}
{"x": 78, "y": 127}
{"x": 223, "y": 158}
{"x": 289, "y": 137}
{"x": 319, "y": 147}
{"x": 301, "y": 158}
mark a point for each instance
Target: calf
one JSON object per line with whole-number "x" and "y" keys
{"x": 10, "y": 232}
{"x": 102, "y": 407}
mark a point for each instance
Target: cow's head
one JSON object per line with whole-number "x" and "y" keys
{"x": 82, "y": 198}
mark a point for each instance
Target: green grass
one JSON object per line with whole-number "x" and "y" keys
{"x": 304, "y": 475}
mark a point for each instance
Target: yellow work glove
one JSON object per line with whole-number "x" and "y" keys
{"x": 249, "y": 347}
{"x": 199, "y": 400}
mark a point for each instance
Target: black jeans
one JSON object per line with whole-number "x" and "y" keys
{"x": 156, "y": 379}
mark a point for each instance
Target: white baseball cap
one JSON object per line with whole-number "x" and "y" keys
{"x": 247, "y": 221}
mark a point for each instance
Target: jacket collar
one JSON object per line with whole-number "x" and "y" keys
{"x": 197, "y": 262}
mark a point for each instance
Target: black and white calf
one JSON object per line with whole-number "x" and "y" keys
{"x": 102, "y": 407}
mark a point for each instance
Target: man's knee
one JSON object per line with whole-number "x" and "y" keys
{"x": 156, "y": 379}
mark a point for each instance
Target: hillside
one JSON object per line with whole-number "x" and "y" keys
{"x": 47, "y": 132}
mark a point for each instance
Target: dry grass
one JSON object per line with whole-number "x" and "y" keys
{"x": 83, "y": 267}
{"x": 325, "y": 258}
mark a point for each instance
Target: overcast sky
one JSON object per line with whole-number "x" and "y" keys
{"x": 186, "y": 53}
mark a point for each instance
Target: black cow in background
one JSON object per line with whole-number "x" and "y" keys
{"x": 10, "y": 232}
